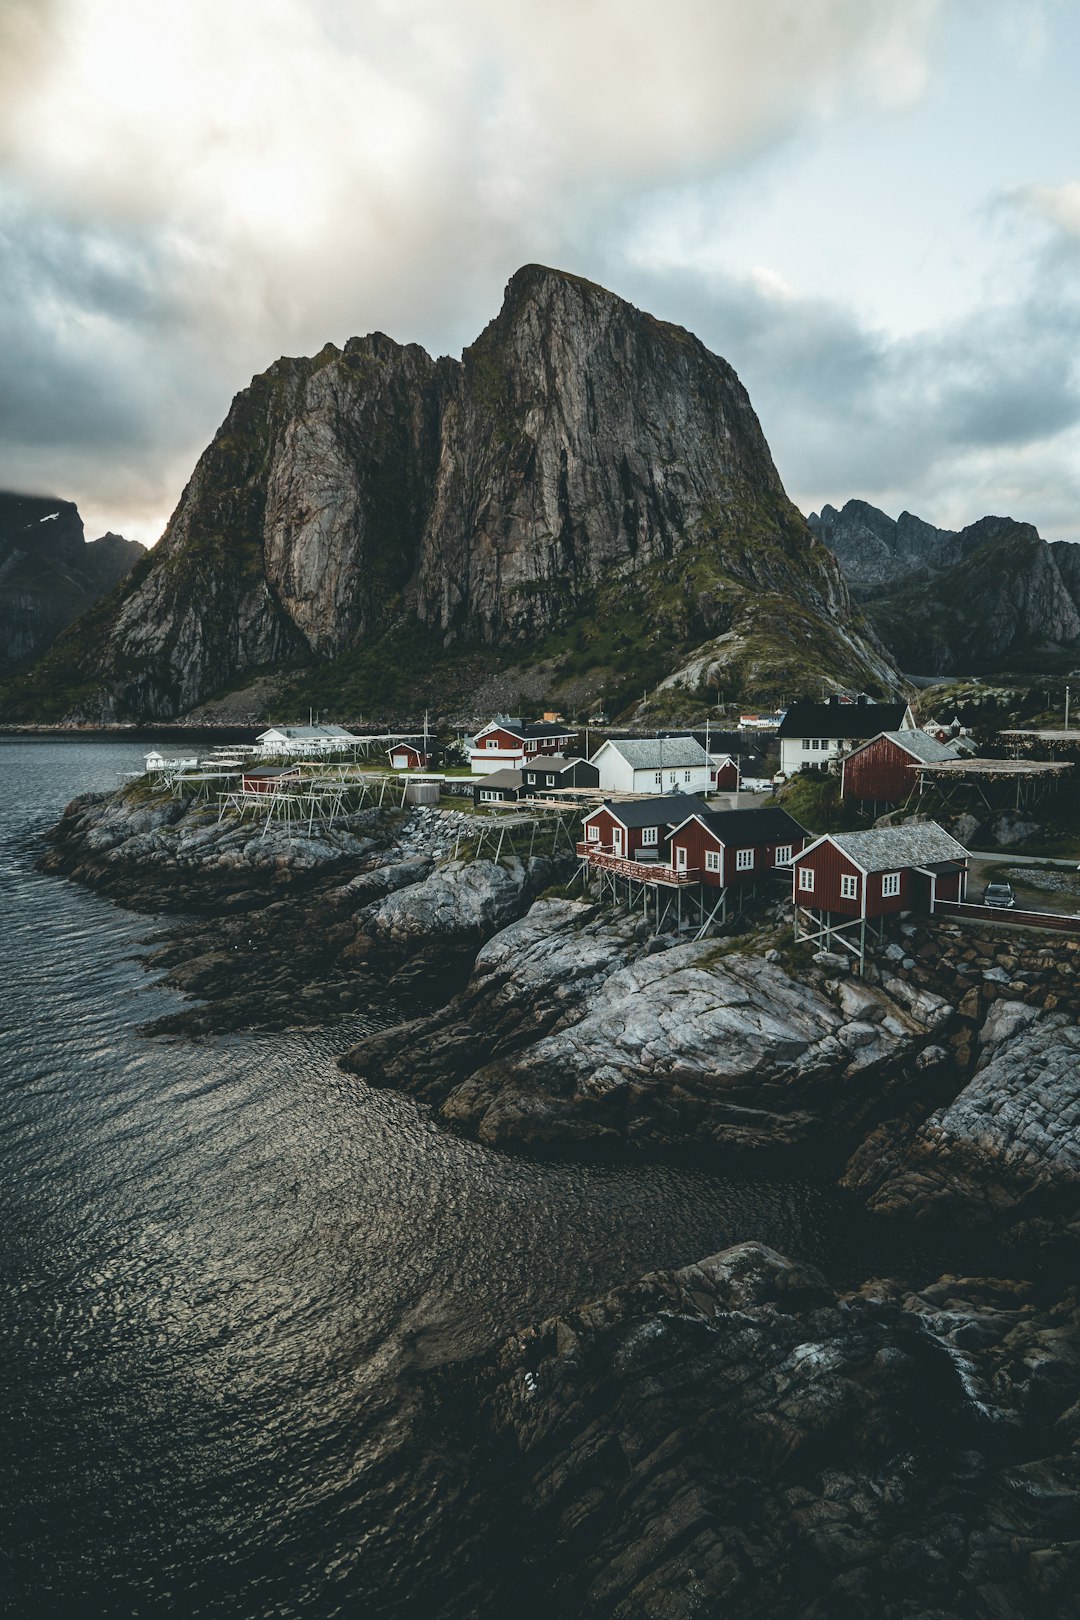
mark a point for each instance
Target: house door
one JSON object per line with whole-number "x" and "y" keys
{"x": 618, "y": 841}
{"x": 680, "y": 857}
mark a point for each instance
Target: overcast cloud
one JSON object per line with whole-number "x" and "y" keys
{"x": 189, "y": 189}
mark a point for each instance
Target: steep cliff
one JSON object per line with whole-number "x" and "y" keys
{"x": 1003, "y": 603}
{"x": 874, "y": 550}
{"x": 583, "y": 465}
{"x": 49, "y": 573}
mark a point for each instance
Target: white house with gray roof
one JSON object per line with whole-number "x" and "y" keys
{"x": 653, "y": 765}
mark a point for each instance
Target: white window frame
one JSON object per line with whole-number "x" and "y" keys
{"x": 806, "y": 879}
{"x": 592, "y": 833}
{"x": 712, "y": 860}
{"x": 744, "y": 860}
{"x": 649, "y": 837}
{"x": 491, "y": 742}
{"x": 782, "y": 854}
{"x": 550, "y": 781}
{"x": 849, "y": 886}
{"x": 890, "y": 885}
{"x": 659, "y": 778}
{"x": 490, "y": 795}
{"x": 806, "y": 745}
{"x": 686, "y": 776}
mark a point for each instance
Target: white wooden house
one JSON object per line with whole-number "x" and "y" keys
{"x": 305, "y": 740}
{"x": 815, "y": 733}
{"x": 654, "y": 765}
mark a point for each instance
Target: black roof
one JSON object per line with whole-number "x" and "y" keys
{"x": 768, "y": 825}
{"x": 544, "y": 729}
{"x": 855, "y": 720}
{"x": 658, "y": 810}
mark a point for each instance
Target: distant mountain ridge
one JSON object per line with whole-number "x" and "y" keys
{"x": 50, "y": 573}
{"x": 585, "y": 471}
{"x": 973, "y": 600}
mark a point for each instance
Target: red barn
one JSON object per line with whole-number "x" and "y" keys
{"x": 728, "y": 847}
{"x": 883, "y": 872}
{"x": 883, "y": 770}
{"x": 637, "y": 829}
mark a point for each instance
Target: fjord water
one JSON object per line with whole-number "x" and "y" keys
{"x": 227, "y": 1271}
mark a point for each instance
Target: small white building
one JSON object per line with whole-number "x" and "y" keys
{"x": 654, "y": 765}
{"x": 306, "y": 740}
{"x": 156, "y": 762}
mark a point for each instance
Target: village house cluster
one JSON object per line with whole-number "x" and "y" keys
{"x": 673, "y": 825}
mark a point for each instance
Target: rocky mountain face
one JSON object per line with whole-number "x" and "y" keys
{"x": 1005, "y": 601}
{"x": 945, "y": 601}
{"x": 582, "y": 459}
{"x": 49, "y": 573}
{"x": 874, "y": 550}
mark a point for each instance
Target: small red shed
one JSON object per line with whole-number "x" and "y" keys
{"x": 406, "y": 756}
{"x": 728, "y": 847}
{"x": 725, "y": 773}
{"x": 881, "y": 872}
{"x": 883, "y": 770}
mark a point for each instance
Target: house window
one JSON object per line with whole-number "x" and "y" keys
{"x": 806, "y": 744}
{"x": 744, "y": 860}
{"x": 592, "y": 834}
{"x": 712, "y": 860}
{"x": 659, "y": 778}
{"x": 806, "y": 879}
{"x": 491, "y": 742}
{"x": 550, "y": 781}
{"x": 815, "y": 743}
{"x": 686, "y": 776}
{"x": 849, "y": 886}
{"x": 648, "y": 835}
{"x": 890, "y": 884}
{"x": 485, "y": 794}
{"x": 783, "y": 854}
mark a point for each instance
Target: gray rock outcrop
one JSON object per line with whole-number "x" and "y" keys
{"x": 571, "y": 1031}
{"x": 1006, "y": 1151}
{"x": 736, "y": 1439}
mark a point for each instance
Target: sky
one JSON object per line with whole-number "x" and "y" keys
{"x": 871, "y": 208}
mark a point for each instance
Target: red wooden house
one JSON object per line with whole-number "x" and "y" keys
{"x": 509, "y": 743}
{"x": 883, "y": 770}
{"x": 636, "y": 830}
{"x": 732, "y": 847}
{"x": 887, "y": 871}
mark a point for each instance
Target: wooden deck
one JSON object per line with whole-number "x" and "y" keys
{"x": 640, "y": 871}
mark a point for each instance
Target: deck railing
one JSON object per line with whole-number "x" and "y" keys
{"x": 640, "y": 871}
{"x": 1060, "y": 921}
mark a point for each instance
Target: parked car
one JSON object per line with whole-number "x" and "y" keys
{"x": 998, "y": 894}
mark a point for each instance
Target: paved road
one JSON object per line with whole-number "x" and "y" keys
{"x": 1005, "y": 857}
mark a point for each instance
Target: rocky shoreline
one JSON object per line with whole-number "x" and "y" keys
{"x": 737, "y": 1436}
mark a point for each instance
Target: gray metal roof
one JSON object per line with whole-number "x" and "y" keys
{"x": 499, "y": 779}
{"x": 916, "y": 843}
{"x": 923, "y": 746}
{"x": 651, "y": 753}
